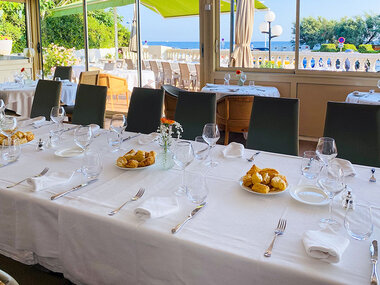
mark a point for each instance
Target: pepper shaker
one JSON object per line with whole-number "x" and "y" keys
{"x": 41, "y": 145}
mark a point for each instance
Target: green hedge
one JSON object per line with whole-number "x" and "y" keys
{"x": 349, "y": 46}
{"x": 328, "y": 48}
{"x": 366, "y": 49}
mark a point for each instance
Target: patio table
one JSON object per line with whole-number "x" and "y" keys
{"x": 19, "y": 98}
{"x": 364, "y": 98}
{"x": 223, "y": 90}
{"x": 223, "y": 244}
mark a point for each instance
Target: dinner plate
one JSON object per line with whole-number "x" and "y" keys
{"x": 309, "y": 194}
{"x": 69, "y": 152}
{"x": 257, "y": 193}
{"x": 137, "y": 168}
{"x": 359, "y": 94}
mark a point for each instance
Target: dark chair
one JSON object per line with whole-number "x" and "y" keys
{"x": 170, "y": 101}
{"x": 145, "y": 110}
{"x": 274, "y": 125}
{"x": 47, "y": 95}
{"x": 90, "y": 105}
{"x": 193, "y": 111}
{"x": 356, "y": 130}
{"x": 63, "y": 72}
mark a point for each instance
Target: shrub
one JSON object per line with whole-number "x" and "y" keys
{"x": 328, "y": 48}
{"x": 57, "y": 56}
{"x": 349, "y": 46}
{"x": 366, "y": 49}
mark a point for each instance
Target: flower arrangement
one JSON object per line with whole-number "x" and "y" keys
{"x": 166, "y": 132}
{"x": 5, "y": 38}
{"x": 58, "y": 56}
{"x": 24, "y": 74}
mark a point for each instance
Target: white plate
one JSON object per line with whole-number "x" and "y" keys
{"x": 69, "y": 152}
{"x": 359, "y": 94}
{"x": 233, "y": 89}
{"x": 137, "y": 168}
{"x": 257, "y": 193}
{"x": 309, "y": 194}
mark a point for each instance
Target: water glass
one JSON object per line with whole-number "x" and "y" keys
{"x": 243, "y": 77}
{"x": 10, "y": 151}
{"x": 378, "y": 84}
{"x": 196, "y": 188}
{"x": 57, "y": 78}
{"x": 211, "y": 135}
{"x": 114, "y": 140}
{"x": 183, "y": 155}
{"x": 57, "y": 114}
{"x": 118, "y": 123}
{"x": 310, "y": 165}
{"x": 252, "y": 84}
{"x": 55, "y": 137}
{"x": 83, "y": 137}
{"x": 227, "y": 78}
{"x": 358, "y": 222}
{"x": 91, "y": 165}
{"x": 201, "y": 148}
{"x": 8, "y": 126}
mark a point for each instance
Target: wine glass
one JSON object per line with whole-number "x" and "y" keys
{"x": 183, "y": 155}
{"x": 243, "y": 77}
{"x": 8, "y": 126}
{"x": 211, "y": 135}
{"x": 358, "y": 222}
{"x": 2, "y": 110}
{"x": 332, "y": 183}
{"x": 201, "y": 148}
{"x": 118, "y": 123}
{"x": 326, "y": 150}
{"x": 83, "y": 137}
{"x": 227, "y": 78}
{"x": 310, "y": 165}
{"x": 378, "y": 84}
{"x": 57, "y": 115}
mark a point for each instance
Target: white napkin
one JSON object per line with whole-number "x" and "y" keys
{"x": 94, "y": 127}
{"x": 37, "y": 121}
{"x": 325, "y": 245}
{"x": 156, "y": 207}
{"x": 145, "y": 139}
{"x": 48, "y": 180}
{"x": 346, "y": 166}
{"x": 233, "y": 150}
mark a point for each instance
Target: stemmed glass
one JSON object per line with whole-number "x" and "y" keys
{"x": 83, "y": 137}
{"x": 378, "y": 84}
{"x": 211, "y": 135}
{"x": 2, "y": 110}
{"x": 57, "y": 115}
{"x": 332, "y": 183}
{"x": 183, "y": 155}
{"x": 326, "y": 150}
{"x": 227, "y": 78}
{"x": 8, "y": 126}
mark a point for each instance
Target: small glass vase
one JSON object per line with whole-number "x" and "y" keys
{"x": 240, "y": 82}
{"x": 165, "y": 159}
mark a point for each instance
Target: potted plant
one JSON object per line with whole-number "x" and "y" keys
{"x": 5, "y": 45}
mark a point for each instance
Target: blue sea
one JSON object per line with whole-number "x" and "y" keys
{"x": 276, "y": 45}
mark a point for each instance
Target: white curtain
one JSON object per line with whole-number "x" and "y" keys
{"x": 133, "y": 35}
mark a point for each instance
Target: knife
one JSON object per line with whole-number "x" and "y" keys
{"x": 189, "y": 217}
{"x": 130, "y": 137}
{"x": 59, "y": 195}
{"x": 374, "y": 257}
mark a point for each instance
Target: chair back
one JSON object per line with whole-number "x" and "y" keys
{"x": 167, "y": 70}
{"x": 89, "y": 77}
{"x": 274, "y": 125}
{"x": 193, "y": 111}
{"x": 119, "y": 63}
{"x": 171, "y": 94}
{"x": 154, "y": 66}
{"x": 109, "y": 65}
{"x": 184, "y": 70}
{"x": 90, "y": 105}
{"x": 129, "y": 63}
{"x": 145, "y": 110}
{"x": 198, "y": 71}
{"x": 63, "y": 72}
{"x": 143, "y": 65}
{"x": 356, "y": 130}
{"x": 233, "y": 113}
{"x": 47, "y": 96}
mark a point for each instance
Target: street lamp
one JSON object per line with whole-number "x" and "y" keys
{"x": 266, "y": 28}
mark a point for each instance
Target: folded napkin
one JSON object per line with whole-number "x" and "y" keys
{"x": 157, "y": 207}
{"x": 37, "y": 121}
{"x": 233, "y": 150}
{"x": 346, "y": 165}
{"x": 94, "y": 127}
{"x": 48, "y": 180}
{"x": 145, "y": 139}
{"x": 325, "y": 245}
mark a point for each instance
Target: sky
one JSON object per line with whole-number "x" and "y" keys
{"x": 156, "y": 28}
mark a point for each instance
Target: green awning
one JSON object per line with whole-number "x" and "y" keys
{"x": 166, "y": 8}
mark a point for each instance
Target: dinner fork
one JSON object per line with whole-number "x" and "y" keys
{"x": 279, "y": 231}
{"x": 252, "y": 158}
{"x": 42, "y": 173}
{"x": 136, "y": 197}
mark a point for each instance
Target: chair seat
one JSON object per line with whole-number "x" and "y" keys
{"x": 69, "y": 109}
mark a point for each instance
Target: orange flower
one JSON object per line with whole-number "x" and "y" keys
{"x": 238, "y": 72}
{"x": 167, "y": 121}
{"x": 22, "y": 69}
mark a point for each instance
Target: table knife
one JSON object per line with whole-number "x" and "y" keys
{"x": 59, "y": 195}
{"x": 130, "y": 137}
{"x": 374, "y": 257}
{"x": 189, "y": 217}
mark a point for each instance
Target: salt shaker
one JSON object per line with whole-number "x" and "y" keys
{"x": 41, "y": 145}
{"x": 348, "y": 200}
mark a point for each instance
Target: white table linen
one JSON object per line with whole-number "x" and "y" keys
{"x": 223, "y": 244}
{"x": 364, "y": 98}
{"x": 223, "y": 90}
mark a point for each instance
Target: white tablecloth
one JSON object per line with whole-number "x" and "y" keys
{"x": 20, "y": 98}
{"x": 223, "y": 244}
{"x": 223, "y": 90}
{"x": 364, "y": 98}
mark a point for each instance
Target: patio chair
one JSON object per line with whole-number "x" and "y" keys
{"x": 145, "y": 110}
{"x": 274, "y": 125}
{"x": 157, "y": 76}
{"x": 116, "y": 86}
{"x": 47, "y": 95}
{"x": 356, "y": 130}
{"x": 185, "y": 81}
{"x": 89, "y": 77}
{"x": 170, "y": 77}
{"x": 63, "y": 72}
{"x": 171, "y": 94}
{"x": 129, "y": 62}
{"x": 193, "y": 111}
{"x": 233, "y": 113}
{"x": 143, "y": 65}
{"x": 109, "y": 66}
{"x": 90, "y": 105}
{"x": 197, "y": 84}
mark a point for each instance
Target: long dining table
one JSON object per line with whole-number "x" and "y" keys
{"x": 223, "y": 244}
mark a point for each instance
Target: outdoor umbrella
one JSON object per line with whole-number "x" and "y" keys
{"x": 241, "y": 56}
{"x": 133, "y": 36}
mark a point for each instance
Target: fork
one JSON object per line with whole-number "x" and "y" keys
{"x": 136, "y": 197}
{"x": 42, "y": 173}
{"x": 252, "y": 158}
{"x": 279, "y": 231}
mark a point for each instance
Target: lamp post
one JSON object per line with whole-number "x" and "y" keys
{"x": 266, "y": 28}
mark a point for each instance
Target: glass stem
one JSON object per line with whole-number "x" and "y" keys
{"x": 211, "y": 147}
{"x": 330, "y": 207}
{"x": 183, "y": 178}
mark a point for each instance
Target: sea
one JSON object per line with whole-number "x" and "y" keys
{"x": 276, "y": 45}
